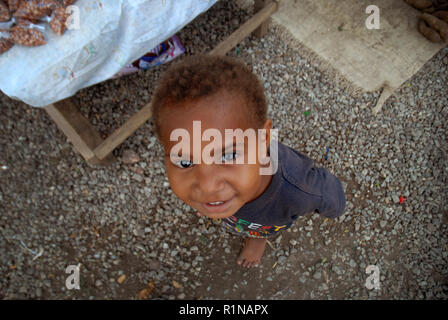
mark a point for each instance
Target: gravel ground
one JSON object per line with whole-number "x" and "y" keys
{"x": 134, "y": 239}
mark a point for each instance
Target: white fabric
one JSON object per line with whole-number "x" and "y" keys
{"x": 112, "y": 34}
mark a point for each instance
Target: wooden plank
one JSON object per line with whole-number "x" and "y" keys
{"x": 122, "y": 133}
{"x": 247, "y": 28}
{"x": 263, "y": 28}
{"x": 77, "y": 129}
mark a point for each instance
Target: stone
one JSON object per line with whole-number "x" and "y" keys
{"x": 281, "y": 260}
{"x": 336, "y": 269}
{"x": 130, "y": 157}
{"x": 323, "y": 287}
{"x": 181, "y": 296}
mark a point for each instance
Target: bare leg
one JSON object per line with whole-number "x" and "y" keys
{"x": 252, "y": 252}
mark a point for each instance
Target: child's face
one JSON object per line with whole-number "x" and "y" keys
{"x": 214, "y": 190}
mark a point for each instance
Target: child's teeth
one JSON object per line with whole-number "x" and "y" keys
{"x": 216, "y": 203}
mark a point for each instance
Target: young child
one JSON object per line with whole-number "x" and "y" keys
{"x": 220, "y": 93}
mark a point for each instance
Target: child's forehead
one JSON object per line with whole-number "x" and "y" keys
{"x": 220, "y": 112}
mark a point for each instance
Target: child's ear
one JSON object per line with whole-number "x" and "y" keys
{"x": 264, "y": 142}
{"x": 268, "y": 126}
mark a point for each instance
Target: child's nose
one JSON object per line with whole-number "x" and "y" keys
{"x": 209, "y": 180}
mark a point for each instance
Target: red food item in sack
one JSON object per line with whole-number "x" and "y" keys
{"x": 13, "y": 5}
{"x": 67, "y": 3}
{"x": 26, "y": 23}
{"x": 27, "y": 36}
{"x": 58, "y": 20}
{"x": 5, "y": 15}
{"x": 5, "y": 45}
{"x": 36, "y": 9}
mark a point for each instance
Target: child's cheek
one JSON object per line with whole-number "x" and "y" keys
{"x": 178, "y": 185}
{"x": 245, "y": 179}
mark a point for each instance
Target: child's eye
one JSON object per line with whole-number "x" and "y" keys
{"x": 184, "y": 164}
{"x": 229, "y": 156}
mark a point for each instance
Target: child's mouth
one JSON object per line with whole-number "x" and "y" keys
{"x": 217, "y": 203}
{"x": 217, "y": 206}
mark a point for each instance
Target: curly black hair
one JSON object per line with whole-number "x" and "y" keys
{"x": 197, "y": 77}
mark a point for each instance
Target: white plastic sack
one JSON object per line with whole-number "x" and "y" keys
{"x": 112, "y": 34}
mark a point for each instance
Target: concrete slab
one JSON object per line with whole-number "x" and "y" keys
{"x": 335, "y": 30}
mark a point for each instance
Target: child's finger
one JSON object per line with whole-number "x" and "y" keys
{"x": 198, "y": 214}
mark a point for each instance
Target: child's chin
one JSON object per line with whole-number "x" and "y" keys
{"x": 215, "y": 213}
{"x": 222, "y": 215}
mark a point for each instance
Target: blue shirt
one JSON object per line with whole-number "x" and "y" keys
{"x": 297, "y": 188}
